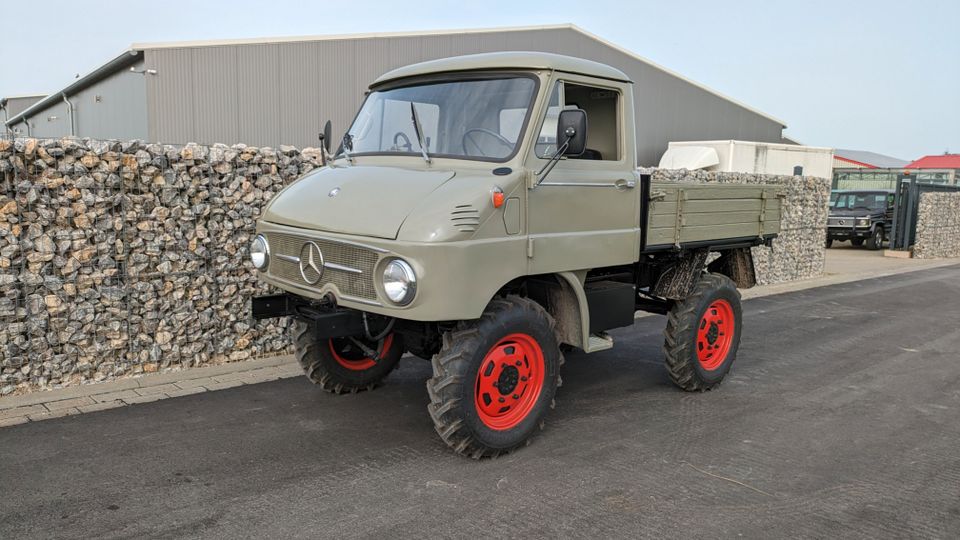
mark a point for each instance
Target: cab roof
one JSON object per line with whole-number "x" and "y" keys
{"x": 506, "y": 61}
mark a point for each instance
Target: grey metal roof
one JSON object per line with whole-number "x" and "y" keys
{"x": 506, "y": 60}
{"x": 871, "y": 158}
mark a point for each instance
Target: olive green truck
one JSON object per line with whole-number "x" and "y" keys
{"x": 486, "y": 213}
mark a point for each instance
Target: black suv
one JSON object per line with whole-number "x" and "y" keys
{"x": 860, "y": 216}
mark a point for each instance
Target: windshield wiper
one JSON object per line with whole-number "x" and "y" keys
{"x": 419, "y": 132}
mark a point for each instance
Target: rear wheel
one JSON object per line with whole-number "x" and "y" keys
{"x": 703, "y": 334}
{"x": 829, "y": 243}
{"x": 495, "y": 378}
{"x": 350, "y": 364}
{"x": 876, "y": 239}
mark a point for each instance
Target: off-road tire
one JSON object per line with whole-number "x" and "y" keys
{"x": 875, "y": 241}
{"x": 455, "y": 387}
{"x": 829, "y": 243}
{"x": 682, "y": 340}
{"x": 322, "y": 368}
{"x": 857, "y": 242}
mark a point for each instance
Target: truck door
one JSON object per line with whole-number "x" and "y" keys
{"x": 585, "y": 212}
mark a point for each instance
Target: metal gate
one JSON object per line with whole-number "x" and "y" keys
{"x": 904, "y": 231}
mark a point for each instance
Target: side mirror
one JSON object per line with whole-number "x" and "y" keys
{"x": 325, "y": 137}
{"x": 572, "y": 131}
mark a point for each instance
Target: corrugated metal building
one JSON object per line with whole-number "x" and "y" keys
{"x": 281, "y": 91}
{"x": 14, "y": 105}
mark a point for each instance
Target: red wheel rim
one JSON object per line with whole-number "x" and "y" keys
{"x": 509, "y": 382}
{"x": 348, "y": 355}
{"x": 715, "y": 334}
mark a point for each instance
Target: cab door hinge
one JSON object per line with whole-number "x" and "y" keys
{"x": 529, "y": 248}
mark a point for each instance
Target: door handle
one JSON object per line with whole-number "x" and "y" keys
{"x": 622, "y": 184}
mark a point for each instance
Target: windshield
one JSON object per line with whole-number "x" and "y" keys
{"x": 862, "y": 201}
{"x": 468, "y": 118}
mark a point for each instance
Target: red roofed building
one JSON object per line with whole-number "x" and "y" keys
{"x": 939, "y": 169}
{"x": 942, "y": 161}
{"x": 854, "y": 169}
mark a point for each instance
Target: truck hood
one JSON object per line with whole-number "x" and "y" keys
{"x": 361, "y": 200}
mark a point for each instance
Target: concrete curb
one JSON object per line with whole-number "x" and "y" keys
{"x": 43, "y": 405}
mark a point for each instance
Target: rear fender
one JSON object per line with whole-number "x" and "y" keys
{"x": 736, "y": 264}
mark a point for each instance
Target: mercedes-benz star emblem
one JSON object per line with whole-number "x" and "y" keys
{"x": 333, "y": 192}
{"x": 311, "y": 263}
{"x": 843, "y": 222}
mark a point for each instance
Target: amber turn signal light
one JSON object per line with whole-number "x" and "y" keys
{"x": 497, "y": 197}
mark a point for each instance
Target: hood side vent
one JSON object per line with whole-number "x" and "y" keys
{"x": 465, "y": 218}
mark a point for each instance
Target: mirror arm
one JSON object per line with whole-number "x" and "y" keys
{"x": 554, "y": 159}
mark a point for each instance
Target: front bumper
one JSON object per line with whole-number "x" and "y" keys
{"x": 849, "y": 232}
{"x": 328, "y": 322}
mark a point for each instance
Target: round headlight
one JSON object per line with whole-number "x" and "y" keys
{"x": 260, "y": 252}
{"x": 399, "y": 282}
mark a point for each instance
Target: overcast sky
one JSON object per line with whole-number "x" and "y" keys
{"x": 874, "y": 75}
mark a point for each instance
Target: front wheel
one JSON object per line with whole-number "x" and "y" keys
{"x": 494, "y": 379}
{"x": 876, "y": 239}
{"x": 703, "y": 334}
{"x": 342, "y": 365}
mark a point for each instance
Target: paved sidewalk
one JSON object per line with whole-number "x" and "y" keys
{"x": 843, "y": 266}
{"x": 42, "y": 405}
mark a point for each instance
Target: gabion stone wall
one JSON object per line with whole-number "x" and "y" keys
{"x": 798, "y": 253}
{"x": 121, "y": 258}
{"x": 938, "y": 226}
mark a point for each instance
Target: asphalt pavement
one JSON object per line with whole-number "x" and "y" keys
{"x": 841, "y": 418}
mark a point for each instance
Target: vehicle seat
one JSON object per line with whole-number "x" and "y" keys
{"x": 589, "y": 153}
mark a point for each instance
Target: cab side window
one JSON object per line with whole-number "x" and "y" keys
{"x": 602, "y": 106}
{"x": 547, "y": 138}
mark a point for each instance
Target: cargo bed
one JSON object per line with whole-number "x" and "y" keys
{"x": 679, "y": 215}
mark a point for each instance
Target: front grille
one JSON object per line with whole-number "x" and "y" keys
{"x": 334, "y": 253}
{"x": 847, "y": 222}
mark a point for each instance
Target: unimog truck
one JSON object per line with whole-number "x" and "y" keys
{"x": 486, "y": 213}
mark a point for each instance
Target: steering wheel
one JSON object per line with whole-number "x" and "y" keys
{"x": 407, "y": 144}
{"x": 466, "y": 137}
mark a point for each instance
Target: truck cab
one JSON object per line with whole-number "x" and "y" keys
{"x": 484, "y": 211}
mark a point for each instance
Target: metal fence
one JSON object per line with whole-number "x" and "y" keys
{"x": 907, "y": 208}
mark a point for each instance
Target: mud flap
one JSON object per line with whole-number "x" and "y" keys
{"x": 678, "y": 281}
{"x": 737, "y": 264}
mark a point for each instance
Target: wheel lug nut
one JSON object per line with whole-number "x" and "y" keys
{"x": 501, "y": 400}
{"x": 519, "y": 363}
{"x": 515, "y": 396}
{"x": 524, "y": 378}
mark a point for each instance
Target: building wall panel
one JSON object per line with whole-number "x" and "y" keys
{"x": 215, "y": 95}
{"x": 170, "y": 96}
{"x": 52, "y": 121}
{"x": 258, "y": 95}
{"x": 114, "y": 108}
